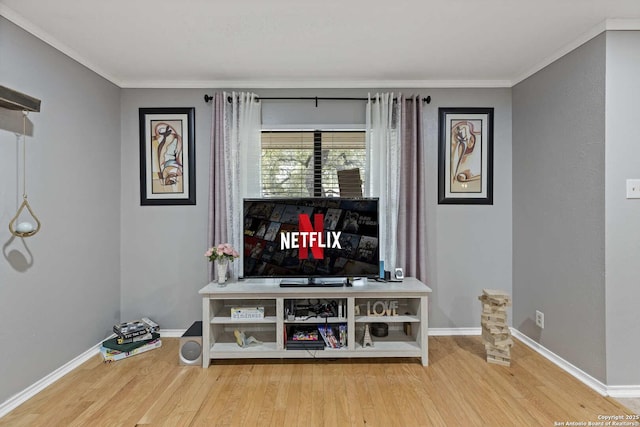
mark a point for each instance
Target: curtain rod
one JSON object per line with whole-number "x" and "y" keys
{"x": 208, "y": 98}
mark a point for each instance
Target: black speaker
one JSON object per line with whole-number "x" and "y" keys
{"x": 190, "y": 349}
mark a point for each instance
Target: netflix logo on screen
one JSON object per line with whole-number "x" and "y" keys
{"x": 310, "y": 237}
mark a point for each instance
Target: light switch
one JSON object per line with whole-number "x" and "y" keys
{"x": 633, "y": 189}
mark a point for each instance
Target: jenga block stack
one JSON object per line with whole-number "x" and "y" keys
{"x": 495, "y": 332}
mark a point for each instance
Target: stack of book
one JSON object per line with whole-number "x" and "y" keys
{"x": 495, "y": 332}
{"x": 131, "y": 338}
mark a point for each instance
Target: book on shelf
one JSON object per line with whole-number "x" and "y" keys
{"x": 115, "y": 344}
{"x": 110, "y": 355}
{"x": 302, "y": 333}
{"x": 305, "y": 345}
{"x": 135, "y": 328}
{"x": 334, "y": 336}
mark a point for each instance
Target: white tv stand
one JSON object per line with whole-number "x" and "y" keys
{"x": 407, "y": 331}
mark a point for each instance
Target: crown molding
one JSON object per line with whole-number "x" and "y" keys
{"x": 39, "y": 33}
{"x": 561, "y": 52}
{"x": 243, "y": 84}
{"x": 622, "y": 24}
{"x": 614, "y": 24}
{"x": 316, "y": 84}
{"x": 606, "y": 25}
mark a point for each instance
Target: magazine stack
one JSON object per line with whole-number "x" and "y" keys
{"x": 131, "y": 338}
{"x": 334, "y": 336}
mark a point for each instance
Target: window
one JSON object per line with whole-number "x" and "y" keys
{"x": 306, "y": 163}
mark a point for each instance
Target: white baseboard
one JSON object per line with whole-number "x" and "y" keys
{"x": 26, "y": 394}
{"x": 578, "y": 373}
{"x": 624, "y": 391}
{"x": 172, "y": 333}
{"x": 35, "y": 388}
{"x": 631, "y": 391}
{"x": 447, "y": 332}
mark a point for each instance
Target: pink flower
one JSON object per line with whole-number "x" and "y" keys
{"x": 223, "y": 250}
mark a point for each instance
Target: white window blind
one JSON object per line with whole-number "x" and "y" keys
{"x": 306, "y": 163}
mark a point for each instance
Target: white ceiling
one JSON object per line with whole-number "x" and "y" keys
{"x": 324, "y": 43}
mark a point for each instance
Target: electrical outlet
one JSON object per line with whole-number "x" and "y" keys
{"x": 633, "y": 189}
{"x": 540, "y": 319}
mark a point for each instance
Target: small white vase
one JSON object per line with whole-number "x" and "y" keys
{"x": 222, "y": 265}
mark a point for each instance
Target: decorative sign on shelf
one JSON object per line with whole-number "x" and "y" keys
{"x": 382, "y": 308}
{"x": 247, "y": 313}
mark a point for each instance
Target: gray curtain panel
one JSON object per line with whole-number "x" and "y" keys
{"x": 412, "y": 220}
{"x": 217, "y": 178}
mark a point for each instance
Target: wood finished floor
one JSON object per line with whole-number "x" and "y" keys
{"x": 458, "y": 388}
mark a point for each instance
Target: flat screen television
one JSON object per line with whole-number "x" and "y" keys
{"x": 310, "y": 238}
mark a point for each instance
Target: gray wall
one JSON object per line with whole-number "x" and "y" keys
{"x": 59, "y": 290}
{"x": 622, "y": 215}
{"x": 469, "y": 246}
{"x": 162, "y": 247}
{"x": 558, "y": 206}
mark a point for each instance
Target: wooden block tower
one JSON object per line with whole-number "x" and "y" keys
{"x": 495, "y": 332}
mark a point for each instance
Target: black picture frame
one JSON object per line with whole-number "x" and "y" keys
{"x": 167, "y": 156}
{"x": 465, "y": 156}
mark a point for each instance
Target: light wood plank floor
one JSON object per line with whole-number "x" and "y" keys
{"x": 458, "y": 388}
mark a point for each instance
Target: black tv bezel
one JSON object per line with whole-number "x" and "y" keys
{"x": 308, "y": 277}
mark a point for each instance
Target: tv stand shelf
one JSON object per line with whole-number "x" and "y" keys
{"x": 407, "y": 330}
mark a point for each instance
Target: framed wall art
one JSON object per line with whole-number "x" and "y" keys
{"x": 167, "y": 156}
{"x": 465, "y": 156}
